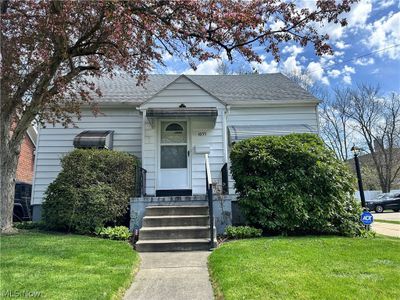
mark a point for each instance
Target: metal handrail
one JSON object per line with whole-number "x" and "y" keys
{"x": 225, "y": 179}
{"x": 140, "y": 189}
{"x": 209, "y": 191}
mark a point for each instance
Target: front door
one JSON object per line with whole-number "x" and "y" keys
{"x": 173, "y": 157}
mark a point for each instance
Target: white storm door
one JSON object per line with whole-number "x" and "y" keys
{"x": 174, "y": 156}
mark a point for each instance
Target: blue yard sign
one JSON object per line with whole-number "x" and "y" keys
{"x": 367, "y": 218}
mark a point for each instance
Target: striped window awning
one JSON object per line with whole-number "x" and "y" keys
{"x": 242, "y": 132}
{"x": 182, "y": 112}
{"x": 211, "y": 112}
{"x": 98, "y": 139}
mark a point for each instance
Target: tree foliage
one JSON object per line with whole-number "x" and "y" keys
{"x": 294, "y": 184}
{"x": 92, "y": 189}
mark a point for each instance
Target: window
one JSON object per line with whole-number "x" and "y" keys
{"x": 173, "y": 133}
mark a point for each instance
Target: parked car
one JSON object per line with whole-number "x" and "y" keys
{"x": 385, "y": 201}
{"x": 22, "y": 202}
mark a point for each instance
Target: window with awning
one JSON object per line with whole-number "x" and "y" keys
{"x": 242, "y": 132}
{"x": 97, "y": 139}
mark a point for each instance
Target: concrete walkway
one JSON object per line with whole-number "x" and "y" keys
{"x": 171, "y": 275}
{"x": 387, "y": 229}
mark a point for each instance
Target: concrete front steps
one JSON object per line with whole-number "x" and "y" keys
{"x": 175, "y": 228}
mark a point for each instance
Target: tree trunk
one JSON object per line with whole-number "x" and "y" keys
{"x": 8, "y": 168}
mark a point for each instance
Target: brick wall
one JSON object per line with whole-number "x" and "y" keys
{"x": 26, "y": 161}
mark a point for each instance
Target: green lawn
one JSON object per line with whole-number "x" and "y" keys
{"x": 387, "y": 221}
{"x": 307, "y": 268}
{"x": 65, "y": 266}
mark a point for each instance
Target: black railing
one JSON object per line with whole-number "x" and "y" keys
{"x": 225, "y": 179}
{"x": 140, "y": 189}
{"x": 209, "y": 190}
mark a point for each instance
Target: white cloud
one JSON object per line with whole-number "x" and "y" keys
{"x": 317, "y": 72}
{"x": 349, "y": 70}
{"x": 208, "y": 67}
{"x": 375, "y": 71}
{"x": 359, "y": 13}
{"x": 327, "y": 60}
{"x": 291, "y": 65}
{"x": 335, "y": 31}
{"x": 334, "y": 73}
{"x": 165, "y": 56}
{"x": 363, "y": 61}
{"x": 293, "y": 49}
{"x": 345, "y": 72}
{"x": 356, "y": 19}
{"x": 347, "y": 79}
{"x": 341, "y": 45}
{"x": 277, "y": 25}
{"x": 385, "y": 33}
{"x": 265, "y": 67}
{"x": 385, "y": 3}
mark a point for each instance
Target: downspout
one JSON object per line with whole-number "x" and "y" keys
{"x": 317, "y": 117}
{"x": 143, "y": 132}
{"x": 224, "y": 136}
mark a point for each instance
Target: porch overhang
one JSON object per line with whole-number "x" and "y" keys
{"x": 238, "y": 133}
{"x": 182, "y": 112}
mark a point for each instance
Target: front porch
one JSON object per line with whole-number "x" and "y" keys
{"x": 224, "y": 208}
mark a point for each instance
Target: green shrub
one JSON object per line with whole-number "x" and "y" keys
{"x": 28, "y": 225}
{"x": 92, "y": 189}
{"x": 242, "y": 232}
{"x": 293, "y": 184}
{"x": 114, "y": 233}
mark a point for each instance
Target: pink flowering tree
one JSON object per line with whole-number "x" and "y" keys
{"x": 50, "y": 49}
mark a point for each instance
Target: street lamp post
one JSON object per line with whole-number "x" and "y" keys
{"x": 356, "y": 151}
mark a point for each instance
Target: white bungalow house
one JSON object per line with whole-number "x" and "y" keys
{"x": 171, "y": 124}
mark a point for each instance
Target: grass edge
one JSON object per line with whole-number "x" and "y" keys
{"x": 387, "y": 221}
{"x": 217, "y": 291}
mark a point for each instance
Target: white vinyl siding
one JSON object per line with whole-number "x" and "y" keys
{"x": 54, "y": 142}
{"x": 183, "y": 91}
{"x": 274, "y": 115}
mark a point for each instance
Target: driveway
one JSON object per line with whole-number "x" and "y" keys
{"x": 389, "y": 216}
{"x": 387, "y": 228}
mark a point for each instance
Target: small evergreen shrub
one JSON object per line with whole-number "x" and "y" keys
{"x": 114, "y": 233}
{"x": 92, "y": 189}
{"x": 242, "y": 232}
{"x": 294, "y": 185}
{"x": 29, "y": 225}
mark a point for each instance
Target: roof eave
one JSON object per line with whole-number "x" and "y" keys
{"x": 275, "y": 103}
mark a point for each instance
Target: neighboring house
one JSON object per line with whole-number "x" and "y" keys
{"x": 26, "y": 159}
{"x": 171, "y": 123}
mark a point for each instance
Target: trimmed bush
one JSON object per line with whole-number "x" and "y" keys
{"x": 294, "y": 185}
{"x": 114, "y": 233}
{"x": 242, "y": 232}
{"x": 92, "y": 189}
{"x": 29, "y": 225}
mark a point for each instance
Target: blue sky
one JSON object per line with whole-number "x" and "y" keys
{"x": 366, "y": 51}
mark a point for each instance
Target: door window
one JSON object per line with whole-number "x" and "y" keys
{"x": 173, "y": 145}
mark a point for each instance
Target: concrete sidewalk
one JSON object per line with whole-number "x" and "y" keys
{"x": 387, "y": 229}
{"x": 172, "y": 275}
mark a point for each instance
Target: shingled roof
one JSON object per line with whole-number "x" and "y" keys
{"x": 230, "y": 89}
